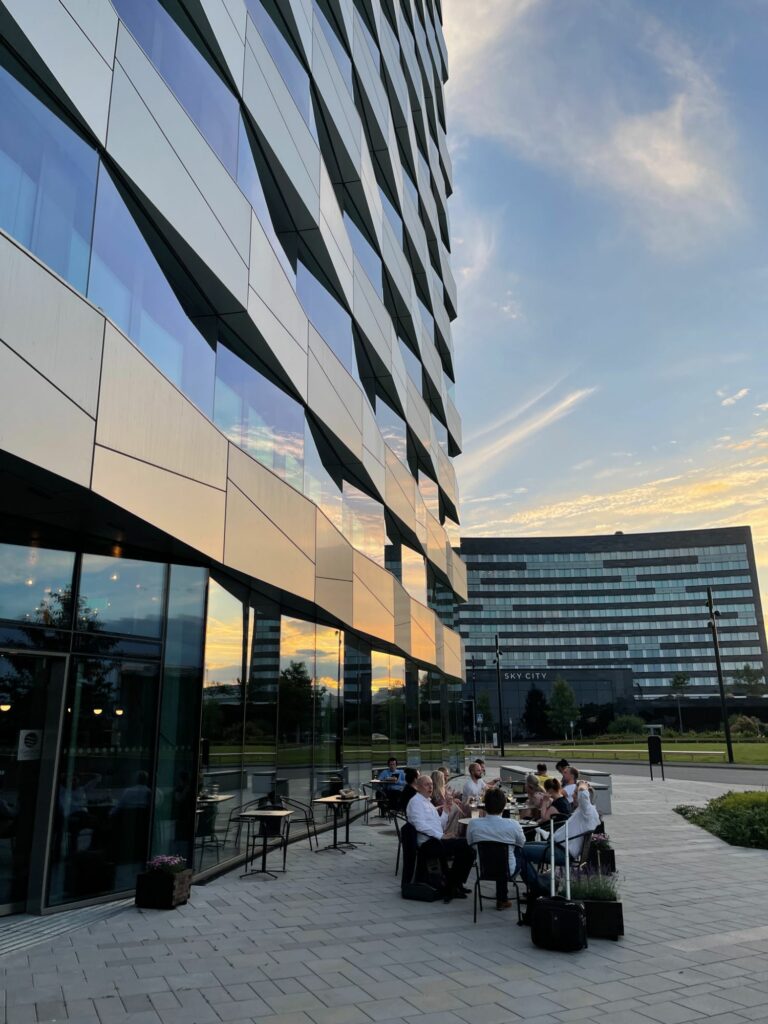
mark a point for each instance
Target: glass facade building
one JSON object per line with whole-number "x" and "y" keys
{"x": 226, "y": 424}
{"x": 627, "y": 606}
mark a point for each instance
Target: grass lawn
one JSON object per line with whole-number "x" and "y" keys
{"x": 743, "y": 753}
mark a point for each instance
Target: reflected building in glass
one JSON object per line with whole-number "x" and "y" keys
{"x": 226, "y": 424}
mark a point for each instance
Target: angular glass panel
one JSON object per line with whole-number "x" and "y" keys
{"x": 174, "y": 818}
{"x": 121, "y": 595}
{"x": 450, "y": 387}
{"x": 364, "y": 525}
{"x": 340, "y": 55}
{"x": 319, "y": 485}
{"x": 105, "y": 793}
{"x": 369, "y": 258}
{"x": 249, "y": 182}
{"x": 188, "y": 74}
{"x": 291, "y": 69}
{"x": 410, "y": 187}
{"x": 370, "y": 41}
{"x": 329, "y": 655}
{"x": 296, "y": 705}
{"x": 412, "y": 364}
{"x": 127, "y": 282}
{"x": 36, "y": 585}
{"x": 328, "y": 316}
{"x": 47, "y": 178}
{"x": 393, "y": 429}
{"x": 427, "y": 319}
{"x": 392, "y": 215}
{"x": 410, "y": 568}
{"x": 440, "y": 432}
{"x": 221, "y": 729}
{"x": 357, "y": 710}
{"x": 430, "y": 494}
{"x": 259, "y": 417}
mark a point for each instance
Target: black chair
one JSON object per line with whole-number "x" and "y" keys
{"x": 272, "y": 834}
{"x": 205, "y": 830}
{"x": 492, "y": 865}
{"x": 399, "y": 821}
{"x": 234, "y": 821}
{"x": 308, "y": 814}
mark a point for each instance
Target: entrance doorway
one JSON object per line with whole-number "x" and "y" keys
{"x": 31, "y": 687}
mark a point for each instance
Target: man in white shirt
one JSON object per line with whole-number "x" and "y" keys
{"x": 584, "y": 819}
{"x": 495, "y": 829}
{"x": 475, "y": 786}
{"x": 570, "y": 781}
{"x": 430, "y": 823}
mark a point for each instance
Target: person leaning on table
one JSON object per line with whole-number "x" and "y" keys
{"x": 584, "y": 819}
{"x": 495, "y": 829}
{"x": 430, "y": 825}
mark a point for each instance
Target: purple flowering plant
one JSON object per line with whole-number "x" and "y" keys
{"x": 168, "y": 863}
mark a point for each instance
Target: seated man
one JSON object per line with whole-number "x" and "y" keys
{"x": 495, "y": 829}
{"x": 430, "y": 828}
{"x": 392, "y": 781}
{"x": 475, "y": 786}
{"x": 541, "y": 773}
{"x": 410, "y": 775}
{"x": 584, "y": 819}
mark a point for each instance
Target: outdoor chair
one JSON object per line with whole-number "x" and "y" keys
{"x": 205, "y": 830}
{"x": 274, "y": 833}
{"x": 399, "y": 820}
{"x": 233, "y": 821}
{"x": 492, "y": 865}
{"x": 305, "y": 810}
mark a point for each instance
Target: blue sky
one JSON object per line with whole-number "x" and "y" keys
{"x": 610, "y": 240}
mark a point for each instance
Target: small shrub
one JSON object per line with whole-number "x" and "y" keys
{"x": 602, "y": 888}
{"x": 743, "y": 725}
{"x": 740, "y": 819}
{"x": 626, "y": 725}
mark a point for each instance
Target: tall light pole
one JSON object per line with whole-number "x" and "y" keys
{"x": 498, "y": 687}
{"x": 714, "y": 615}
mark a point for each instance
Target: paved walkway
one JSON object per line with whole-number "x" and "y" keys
{"x": 333, "y": 943}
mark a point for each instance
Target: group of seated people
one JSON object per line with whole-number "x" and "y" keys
{"x": 435, "y": 809}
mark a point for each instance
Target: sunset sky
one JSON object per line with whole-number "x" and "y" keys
{"x": 610, "y": 240}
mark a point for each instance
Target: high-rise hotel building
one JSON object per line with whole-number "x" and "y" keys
{"x": 226, "y": 421}
{"x": 618, "y": 616}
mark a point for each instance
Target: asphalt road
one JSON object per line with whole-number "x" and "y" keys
{"x": 738, "y": 776}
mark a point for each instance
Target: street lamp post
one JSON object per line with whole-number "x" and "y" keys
{"x": 714, "y": 615}
{"x": 498, "y": 688}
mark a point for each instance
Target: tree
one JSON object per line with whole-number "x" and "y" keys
{"x": 748, "y": 680}
{"x": 563, "y": 708}
{"x": 535, "y": 717}
{"x": 677, "y": 686}
{"x": 627, "y": 725}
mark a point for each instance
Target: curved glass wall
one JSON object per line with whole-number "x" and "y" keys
{"x": 47, "y": 177}
{"x": 196, "y": 85}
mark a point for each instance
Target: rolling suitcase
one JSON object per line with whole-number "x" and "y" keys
{"x": 557, "y": 922}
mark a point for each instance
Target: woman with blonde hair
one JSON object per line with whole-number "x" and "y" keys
{"x": 537, "y": 797}
{"x": 439, "y": 788}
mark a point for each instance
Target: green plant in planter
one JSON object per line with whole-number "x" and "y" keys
{"x": 596, "y": 888}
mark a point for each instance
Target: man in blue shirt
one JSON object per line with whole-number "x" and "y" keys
{"x": 495, "y": 829}
{"x": 392, "y": 781}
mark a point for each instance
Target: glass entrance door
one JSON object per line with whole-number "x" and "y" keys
{"x": 30, "y": 685}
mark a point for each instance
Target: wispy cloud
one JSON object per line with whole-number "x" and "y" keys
{"x": 479, "y": 462}
{"x": 737, "y": 396}
{"x": 605, "y": 94}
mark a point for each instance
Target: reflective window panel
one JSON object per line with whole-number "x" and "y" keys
{"x": 366, "y": 254}
{"x": 393, "y": 429}
{"x": 120, "y": 595}
{"x": 36, "y": 585}
{"x": 296, "y": 700}
{"x": 259, "y": 417}
{"x": 195, "y": 84}
{"x": 357, "y": 710}
{"x": 105, "y": 789}
{"x": 319, "y": 485}
{"x": 328, "y": 316}
{"x": 126, "y": 281}
{"x": 329, "y": 658}
{"x": 250, "y": 184}
{"x": 340, "y": 55}
{"x": 47, "y": 177}
{"x": 364, "y": 525}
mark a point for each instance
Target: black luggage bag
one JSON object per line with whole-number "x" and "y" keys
{"x": 558, "y": 922}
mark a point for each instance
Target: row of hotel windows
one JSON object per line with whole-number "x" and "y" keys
{"x": 617, "y": 629}
{"x": 624, "y": 574}
{"x": 684, "y": 597}
{"x": 613, "y": 587}
{"x": 745, "y": 618}
{"x": 713, "y": 553}
{"x": 58, "y": 200}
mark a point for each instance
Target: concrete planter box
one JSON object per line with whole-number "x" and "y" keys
{"x": 162, "y": 890}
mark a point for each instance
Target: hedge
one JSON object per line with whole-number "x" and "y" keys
{"x": 740, "y": 819}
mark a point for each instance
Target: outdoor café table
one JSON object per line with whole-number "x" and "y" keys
{"x": 337, "y": 802}
{"x": 252, "y": 817}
